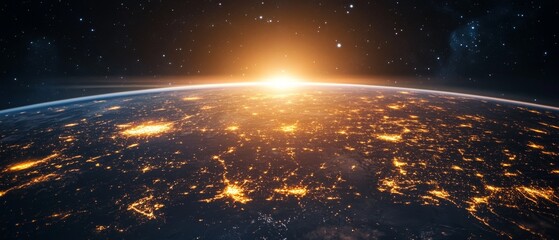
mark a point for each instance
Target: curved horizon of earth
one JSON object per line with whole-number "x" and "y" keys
{"x": 271, "y": 86}
{"x": 316, "y": 161}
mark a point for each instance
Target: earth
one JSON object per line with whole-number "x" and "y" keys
{"x": 246, "y": 161}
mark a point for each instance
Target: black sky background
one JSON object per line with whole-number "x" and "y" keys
{"x": 52, "y": 50}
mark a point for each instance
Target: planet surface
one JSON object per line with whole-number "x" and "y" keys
{"x": 316, "y": 161}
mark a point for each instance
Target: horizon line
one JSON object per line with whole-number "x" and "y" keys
{"x": 252, "y": 84}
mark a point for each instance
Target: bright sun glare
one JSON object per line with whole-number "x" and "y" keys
{"x": 282, "y": 81}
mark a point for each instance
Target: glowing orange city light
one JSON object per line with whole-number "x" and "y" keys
{"x": 148, "y": 129}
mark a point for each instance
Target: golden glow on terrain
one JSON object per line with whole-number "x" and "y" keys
{"x": 235, "y": 192}
{"x": 440, "y": 194}
{"x": 33, "y": 181}
{"x": 29, "y": 164}
{"x": 390, "y": 137}
{"x": 232, "y": 128}
{"x": 289, "y": 128}
{"x": 24, "y": 165}
{"x": 536, "y": 146}
{"x": 191, "y": 98}
{"x": 231, "y": 191}
{"x": 533, "y": 194}
{"x": 146, "y": 207}
{"x": 148, "y": 129}
{"x": 296, "y": 191}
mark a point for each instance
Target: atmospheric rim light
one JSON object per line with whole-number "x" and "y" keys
{"x": 23, "y": 109}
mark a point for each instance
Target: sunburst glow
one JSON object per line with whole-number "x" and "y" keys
{"x": 282, "y": 81}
